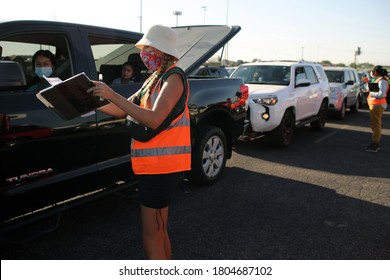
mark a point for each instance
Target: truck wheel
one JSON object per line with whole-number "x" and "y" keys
{"x": 319, "y": 124}
{"x": 208, "y": 156}
{"x": 282, "y": 135}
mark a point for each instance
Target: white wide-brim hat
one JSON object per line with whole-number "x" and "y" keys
{"x": 162, "y": 38}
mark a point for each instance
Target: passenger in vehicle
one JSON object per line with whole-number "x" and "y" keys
{"x": 257, "y": 77}
{"x": 43, "y": 64}
{"x": 161, "y": 161}
{"x": 127, "y": 75}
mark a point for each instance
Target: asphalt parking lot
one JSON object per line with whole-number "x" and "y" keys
{"x": 323, "y": 197}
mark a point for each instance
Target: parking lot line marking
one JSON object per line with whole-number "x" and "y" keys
{"x": 350, "y": 126}
{"x": 338, "y": 129}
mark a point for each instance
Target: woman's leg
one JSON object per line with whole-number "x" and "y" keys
{"x": 376, "y": 123}
{"x": 154, "y": 233}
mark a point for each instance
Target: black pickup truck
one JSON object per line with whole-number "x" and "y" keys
{"x": 48, "y": 164}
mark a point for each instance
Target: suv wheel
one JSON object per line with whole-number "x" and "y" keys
{"x": 319, "y": 124}
{"x": 355, "y": 108}
{"x": 209, "y": 156}
{"x": 282, "y": 135}
{"x": 361, "y": 100}
{"x": 341, "y": 113}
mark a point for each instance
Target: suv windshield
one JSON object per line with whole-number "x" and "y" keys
{"x": 263, "y": 74}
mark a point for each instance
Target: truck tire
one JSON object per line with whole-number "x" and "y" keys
{"x": 283, "y": 134}
{"x": 319, "y": 124}
{"x": 209, "y": 154}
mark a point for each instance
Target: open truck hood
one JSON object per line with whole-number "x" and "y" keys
{"x": 197, "y": 44}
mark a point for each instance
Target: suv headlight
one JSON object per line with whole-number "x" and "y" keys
{"x": 268, "y": 100}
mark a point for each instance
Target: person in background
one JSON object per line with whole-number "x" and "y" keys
{"x": 376, "y": 101}
{"x": 388, "y": 89}
{"x": 127, "y": 75}
{"x": 43, "y": 64}
{"x": 161, "y": 161}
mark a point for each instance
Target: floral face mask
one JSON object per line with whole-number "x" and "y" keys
{"x": 150, "y": 59}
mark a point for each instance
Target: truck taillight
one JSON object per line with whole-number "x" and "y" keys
{"x": 242, "y": 96}
{"x": 245, "y": 91}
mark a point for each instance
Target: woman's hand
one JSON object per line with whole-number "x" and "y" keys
{"x": 101, "y": 90}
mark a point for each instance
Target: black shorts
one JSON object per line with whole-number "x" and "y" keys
{"x": 156, "y": 191}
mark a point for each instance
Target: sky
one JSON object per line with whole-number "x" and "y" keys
{"x": 314, "y": 30}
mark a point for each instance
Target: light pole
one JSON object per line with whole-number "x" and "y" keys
{"x": 204, "y": 14}
{"x": 227, "y": 44}
{"x": 140, "y": 17}
{"x": 358, "y": 52}
{"x": 227, "y": 12}
{"x": 177, "y": 14}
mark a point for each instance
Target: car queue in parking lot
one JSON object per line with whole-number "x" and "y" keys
{"x": 284, "y": 95}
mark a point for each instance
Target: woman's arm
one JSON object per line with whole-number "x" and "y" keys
{"x": 170, "y": 93}
{"x": 114, "y": 110}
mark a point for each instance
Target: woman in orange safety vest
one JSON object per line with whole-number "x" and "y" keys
{"x": 161, "y": 161}
{"x": 376, "y": 101}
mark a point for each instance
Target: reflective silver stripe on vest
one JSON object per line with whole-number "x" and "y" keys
{"x": 183, "y": 121}
{"x": 150, "y": 152}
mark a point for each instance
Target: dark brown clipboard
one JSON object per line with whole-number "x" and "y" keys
{"x": 69, "y": 98}
{"x": 374, "y": 87}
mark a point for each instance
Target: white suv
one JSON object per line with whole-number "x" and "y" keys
{"x": 283, "y": 95}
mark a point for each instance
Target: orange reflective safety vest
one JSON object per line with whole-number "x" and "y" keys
{"x": 378, "y": 101}
{"x": 169, "y": 151}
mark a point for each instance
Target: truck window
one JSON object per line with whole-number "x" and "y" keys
{"x": 110, "y": 54}
{"x": 21, "y": 48}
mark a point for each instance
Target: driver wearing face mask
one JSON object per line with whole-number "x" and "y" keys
{"x": 43, "y": 64}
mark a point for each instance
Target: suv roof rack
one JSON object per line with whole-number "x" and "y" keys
{"x": 277, "y": 60}
{"x": 306, "y": 61}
